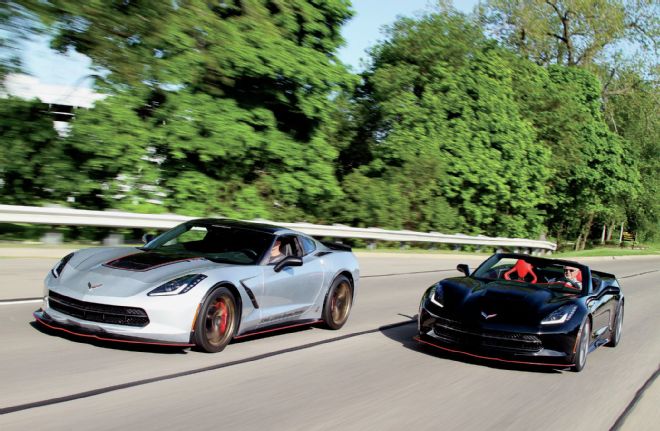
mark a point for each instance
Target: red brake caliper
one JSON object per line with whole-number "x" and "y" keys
{"x": 223, "y": 316}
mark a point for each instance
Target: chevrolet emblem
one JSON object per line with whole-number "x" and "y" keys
{"x": 488, "y": 316}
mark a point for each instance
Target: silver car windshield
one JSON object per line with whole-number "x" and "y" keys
{"x": 213, "y": 241}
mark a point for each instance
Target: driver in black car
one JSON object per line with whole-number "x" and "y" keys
{"x": 572, "y": 276}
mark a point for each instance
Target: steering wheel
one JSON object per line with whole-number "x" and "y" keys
{"x": 572, "y": 284}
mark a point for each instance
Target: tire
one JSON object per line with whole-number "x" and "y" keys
{"x": 582, "y": 348}
{"x": 338, "y": 303}
{"x": 217, "y": 321}
{"x": 618, "y": 328}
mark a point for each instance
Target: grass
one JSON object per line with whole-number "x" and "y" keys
{"x": 644, "y": 250}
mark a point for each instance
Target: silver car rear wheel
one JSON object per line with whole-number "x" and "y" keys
{"x": 338, "y": 303}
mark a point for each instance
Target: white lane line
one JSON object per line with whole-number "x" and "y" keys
{"x": 22, "y": 301}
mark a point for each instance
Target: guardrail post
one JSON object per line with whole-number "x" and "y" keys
{"x": 113, "y": 240}
{"x": 52, "y": 238}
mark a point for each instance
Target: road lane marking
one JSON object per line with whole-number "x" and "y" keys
{"x": 407, "y": 273}
{"x": 641, "y": 273}
{"x": 631, "y": 406}
{"x": 100, "y": 391}
{"x": 20, "y": 301}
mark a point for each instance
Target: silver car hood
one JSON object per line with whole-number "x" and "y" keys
{"x": 109, "y": 272}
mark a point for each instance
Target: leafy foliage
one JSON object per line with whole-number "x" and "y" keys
{"x": 571, "y": 32}
{"x": 240, "y": 108}
{"x": 632, "y": 108}
{"x": 442, "y": 98}
{"x": 30, "y": 159}
{"x": 221, "y": 107}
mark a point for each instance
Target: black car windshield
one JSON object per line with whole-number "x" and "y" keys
{"x": 213, "y": 241}
{"x": 542, "y": 273}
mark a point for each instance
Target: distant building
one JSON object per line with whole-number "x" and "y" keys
{"x": 61, "y": 101}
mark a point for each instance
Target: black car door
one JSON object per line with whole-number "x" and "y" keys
{"x": 602, "y": 306}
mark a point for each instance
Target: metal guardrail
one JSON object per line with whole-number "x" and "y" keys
{"x": 76, "y": 217}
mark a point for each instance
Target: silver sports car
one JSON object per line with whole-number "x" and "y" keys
{"x": 201, "y": 284}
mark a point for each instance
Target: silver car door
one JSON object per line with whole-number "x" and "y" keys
{"x": 290, "y": 292}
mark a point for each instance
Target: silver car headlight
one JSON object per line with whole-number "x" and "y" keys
{"x": 178, "y": 285}
{"x": 560, "y": 315}
{"x": 57, "y": 269}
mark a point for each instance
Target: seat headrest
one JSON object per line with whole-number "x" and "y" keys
{"x": 523, "y": 269}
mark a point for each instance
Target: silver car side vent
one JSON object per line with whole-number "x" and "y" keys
{"x": 250, "y": 294}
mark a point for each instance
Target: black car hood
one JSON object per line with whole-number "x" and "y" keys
{"x": 500, "y": 301}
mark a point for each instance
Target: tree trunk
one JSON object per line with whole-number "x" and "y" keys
{"x": 585, "y": 231}
{"x": 610, "y": 230}
{"x": 560, "y": 232}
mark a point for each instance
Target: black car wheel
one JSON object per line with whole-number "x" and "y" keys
{"x": 618, "y": 327}
{"x": 216, "y": 322}
{"x": 338, "y": 303}
{"x": 582, "y": 348}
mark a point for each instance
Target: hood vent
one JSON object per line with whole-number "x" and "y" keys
{"x": 147, "y": 260}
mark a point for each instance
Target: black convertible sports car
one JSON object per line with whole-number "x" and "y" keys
{"x": 524, "y": 309}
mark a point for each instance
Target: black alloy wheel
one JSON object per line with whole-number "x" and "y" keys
{"x": 615, "y": 336}
{"x": 582, "y": 347}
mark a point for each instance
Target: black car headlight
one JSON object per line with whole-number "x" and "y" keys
{"x": 560, "y": 315}
{"x": 178, "y": 285}
{"x": 436, "y": 296}
{"x": 57, "y": 270}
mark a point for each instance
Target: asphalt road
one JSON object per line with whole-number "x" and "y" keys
{"x": 368, "y": 375}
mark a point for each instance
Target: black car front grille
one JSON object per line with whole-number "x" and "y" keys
{"x": 456, "y": 332}
{"x": 113, "y": 314}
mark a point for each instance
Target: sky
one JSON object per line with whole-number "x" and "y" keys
{"x": 362, "y": 32}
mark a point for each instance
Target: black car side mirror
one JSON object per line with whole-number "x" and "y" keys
{"x": 147, "y": 237}
{"x": 288, "y": 261}
{"x": 461, "y": 267}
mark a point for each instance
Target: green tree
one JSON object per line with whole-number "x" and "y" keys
{"x": 593, "y": 170}
{"x": 633, "y": 104}
{"x": 224, "y": 107}
{"x": 440, "y": 92}
{"x": 571, "y": 32}
{"x": 31, "y": 160}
